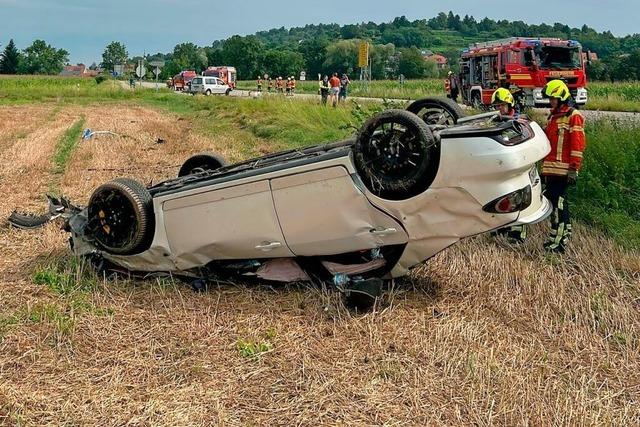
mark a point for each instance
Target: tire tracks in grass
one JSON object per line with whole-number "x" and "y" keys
{"x": 63, "y": 152}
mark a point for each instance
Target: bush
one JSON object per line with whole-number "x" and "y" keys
{"x": 101, "y": 78}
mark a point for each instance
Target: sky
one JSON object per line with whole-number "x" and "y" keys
{"x": 85, "y": 27}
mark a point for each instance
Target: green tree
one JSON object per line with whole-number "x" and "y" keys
{"x": 342, "y": 57}
{"x": 382, "y": 56}
{"x": 114, "y": 54}
{"x": 281, "y": 63}
{"x": 9, "y": 59}
{"x": 42, "y": 58}
{"x": 411, "y": 63}
{"x": 314, "y": 53}
{"x": 188, "y": 56}
{"x": 244, "y": 53}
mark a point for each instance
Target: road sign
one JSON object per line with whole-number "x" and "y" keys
{"x": 141, "y": 70}
{"x": 157, "y": 64}
{"x": 156, "y": 71}
{"x": 363, "y": 55}
{"x": 303, "y": 75}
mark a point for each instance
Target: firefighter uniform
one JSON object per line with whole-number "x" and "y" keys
{"x": 503, "y": 100}
{"x": 565, "y": 131}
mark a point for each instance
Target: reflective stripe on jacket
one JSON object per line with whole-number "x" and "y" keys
{"x": 566, "y": 134}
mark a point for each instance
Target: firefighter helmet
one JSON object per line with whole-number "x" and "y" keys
{"x": 556, "y": 89}
{"x": 503, "y": 96}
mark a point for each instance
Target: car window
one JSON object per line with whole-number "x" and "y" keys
{"x": 220, "y": 82}
{"x": 197, "y": 81}
{"x": 210, "y": 81}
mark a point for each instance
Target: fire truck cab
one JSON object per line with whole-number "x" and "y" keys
{"x": 523, "y": 65}
{"x": 226, "y": 74}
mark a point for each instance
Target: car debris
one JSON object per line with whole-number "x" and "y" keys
{"x": 353, "y": 214}
{"x": 89, "y": 134}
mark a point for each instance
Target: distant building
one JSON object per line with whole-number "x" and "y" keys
{"x": 440, "y": 60}
{"x": 79, "y": 70}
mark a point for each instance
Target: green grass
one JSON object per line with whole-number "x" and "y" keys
{"x": 390, "y": 89}
{"x": 606, "y": 197}
{"x": 608, "y": 192}
{"x": 604, "y": 96}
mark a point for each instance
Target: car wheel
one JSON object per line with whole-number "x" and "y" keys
{"x": 228, "y": 92}
{"x": 120, "y": 217}
{"x": 437, "y": 111}
{"x": 208, "y": 92}
{"x": 201, "y": 163}
{"x": 395, "y": 155}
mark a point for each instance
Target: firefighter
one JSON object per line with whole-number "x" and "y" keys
{"x": 293, "y": 85}
{"x": 560, "y": 168}
{"x": 259, "y": 84}
{"x": 270, "y": 85}
{"x": 503, "y": 101}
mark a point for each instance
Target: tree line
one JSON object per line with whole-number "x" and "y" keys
{"x": 396, "y": 48}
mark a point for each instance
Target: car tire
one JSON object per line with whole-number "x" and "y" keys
{"x": 228, "y": 92}
{"x": 396, "y": 155}
{"x": 437, "y": 110}
{"x": 200, "y": 163}
{"x": 120, "y": 217}
{"x": 208, "y": 92}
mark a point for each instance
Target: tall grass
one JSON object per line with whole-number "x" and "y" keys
{"x": 608, "y": 191}
{"x": 390, "y": 89}
{"x": 622, "y": 96}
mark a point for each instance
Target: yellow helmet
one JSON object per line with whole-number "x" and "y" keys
{"x": 556, "y": 89}
{"x": 503, "y": 96}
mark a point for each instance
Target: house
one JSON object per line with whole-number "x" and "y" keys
{"x": 79, "y": 70}
{"x": 440, "y": 60}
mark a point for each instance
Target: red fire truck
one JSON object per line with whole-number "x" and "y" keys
{"x": 181, "y": 80}
{"x": 226, "y": 74}
{"x": 523, "y": 65}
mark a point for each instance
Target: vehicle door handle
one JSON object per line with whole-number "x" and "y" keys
{"x": 383, "y": 231}
{"x": 268, "y": 246}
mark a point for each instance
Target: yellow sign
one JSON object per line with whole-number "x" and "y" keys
{"x": 363, "y": 55}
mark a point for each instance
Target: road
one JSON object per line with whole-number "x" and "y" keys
{"x": 589, "y": 114}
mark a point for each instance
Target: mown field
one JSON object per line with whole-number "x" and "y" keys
{"x": 623, "y": 96}
{"x": 485, "y": 333}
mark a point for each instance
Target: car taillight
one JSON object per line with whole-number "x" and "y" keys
{"x": 515, "y": 134}
{"x": 513, "y": 202}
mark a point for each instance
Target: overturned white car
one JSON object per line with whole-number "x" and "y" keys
{"x": 353, "y": 212}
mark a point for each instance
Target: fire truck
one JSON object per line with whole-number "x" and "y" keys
{"x": 226, "y": 74}
{"x": 523, "y": 65}
{"x": 181, "y": 81}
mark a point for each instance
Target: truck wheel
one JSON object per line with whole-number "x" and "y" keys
{"x": 396, "y": 155}
{"x": 476, "y": 101}
{"x": 120, "y": 217}
{"x": 437, "y": 111}
{"x": 201, "y": 163}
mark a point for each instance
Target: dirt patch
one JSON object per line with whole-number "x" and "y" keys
{"x": 484, "y": 333}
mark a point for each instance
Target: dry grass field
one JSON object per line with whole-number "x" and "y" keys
{"x": 483, "y": 334}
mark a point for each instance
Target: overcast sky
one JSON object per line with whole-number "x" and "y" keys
{"x": 84, "y": 27}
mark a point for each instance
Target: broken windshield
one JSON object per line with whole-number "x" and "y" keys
{"x": 556, "y": 57}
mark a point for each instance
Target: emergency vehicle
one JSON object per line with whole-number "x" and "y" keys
{"x": 224, "y": 73}
{"x": 524, "y": 66}
{"x": 182, "y": 80}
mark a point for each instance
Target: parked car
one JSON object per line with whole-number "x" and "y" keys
{"x": 353, "y": 213}
{"x": 209, "y": 86}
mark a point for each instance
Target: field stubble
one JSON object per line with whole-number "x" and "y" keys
{"x": 482, "y": 334}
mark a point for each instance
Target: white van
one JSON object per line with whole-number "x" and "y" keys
{"x": 209, "y": 85}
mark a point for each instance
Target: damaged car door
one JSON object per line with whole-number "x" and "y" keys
{"x": 237, "y": 222}
{"x": 323, "y": 212}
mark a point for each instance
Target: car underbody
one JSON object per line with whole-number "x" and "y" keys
{"x": 352, "y": 213}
